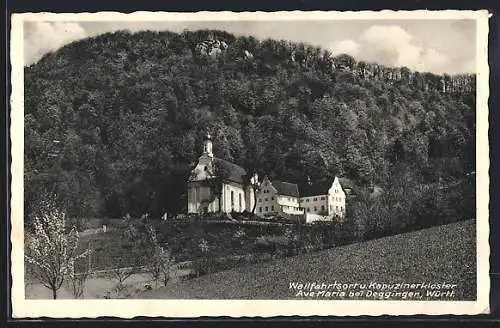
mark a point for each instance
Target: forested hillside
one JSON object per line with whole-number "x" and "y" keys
{"x": 113, "y": 123}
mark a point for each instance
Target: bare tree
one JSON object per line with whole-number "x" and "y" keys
{"x": 76, "y": 284}
{"x": 159, "y": 259}
{"x": 122, "y": 269}
{"x": 156, "y": 258}
{"x": 120, "y": 275}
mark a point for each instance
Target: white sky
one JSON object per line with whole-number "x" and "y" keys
{"x": 438, "y": 45}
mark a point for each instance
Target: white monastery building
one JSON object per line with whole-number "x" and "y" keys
{"x": 238, "y": 193}
{"x": 324, "y": 198}
{"x": 278, "y": 197}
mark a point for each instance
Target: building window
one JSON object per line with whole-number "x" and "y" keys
{"x": 307, "y": 200}
{"x": 260, "y": 209}
{"x": 267, "y": 208}
{"x": 232, "y": 197}
{"x": 315, "y": 198}
{"x": 331, "y": 207}
{"x": 260, "y": 200}
{"x": 322, "y": 207}
{"x": 315, "y": 209}
{"x": 272, "y": 198}
{"x": 322, "y": 198}
{"x": 308, "y": 209}
{"x": 301, "y": 200}
{"x": 240, "y": 202}
{"x": 272, "y": 207}
{"x": 337, "y": 208}
{"x": 265, "y": 199}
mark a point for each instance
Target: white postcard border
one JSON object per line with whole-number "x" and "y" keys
{"x": 23, "y": 308}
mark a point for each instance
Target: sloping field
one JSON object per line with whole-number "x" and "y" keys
{"x": 439, "y": 255}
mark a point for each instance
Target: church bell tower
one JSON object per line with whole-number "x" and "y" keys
{"x": 207, "y": 146}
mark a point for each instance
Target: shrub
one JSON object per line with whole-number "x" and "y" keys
{"x": 271, "y": 244}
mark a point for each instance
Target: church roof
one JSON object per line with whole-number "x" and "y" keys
{"x": 317, "y": 188}
{"x": 286, "y": 188}
{"x": 235, "y": 172}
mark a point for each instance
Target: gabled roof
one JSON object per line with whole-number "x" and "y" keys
{"x": 236, "y": 172}
{"x": 318, "y": 188}
{"x": 321, "y": 187}
{"x": 286, "y": 188}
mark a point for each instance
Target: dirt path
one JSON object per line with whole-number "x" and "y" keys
{"x": 97, "y": 287}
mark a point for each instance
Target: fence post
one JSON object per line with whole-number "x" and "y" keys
{"x": 90, "y": 256}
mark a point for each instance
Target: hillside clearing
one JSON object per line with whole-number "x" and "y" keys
{"x": 443, "y": 254}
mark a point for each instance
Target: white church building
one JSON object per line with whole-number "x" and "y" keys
{"x": 238, "y": 193}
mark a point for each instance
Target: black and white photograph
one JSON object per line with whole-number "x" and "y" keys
{"x": 249, "y": 164}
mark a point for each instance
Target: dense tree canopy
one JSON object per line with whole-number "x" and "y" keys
{"x": 113, "y": 123}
